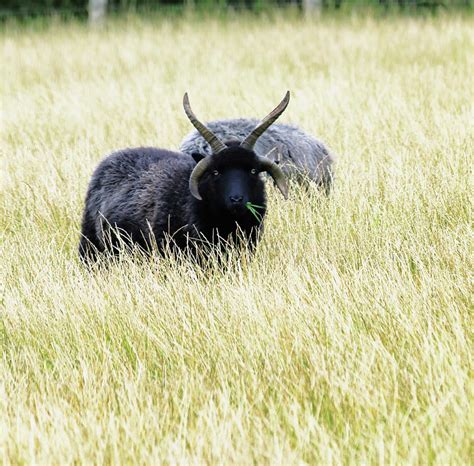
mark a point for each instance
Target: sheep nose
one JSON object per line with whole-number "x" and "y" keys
{"x": 236, "y": 199}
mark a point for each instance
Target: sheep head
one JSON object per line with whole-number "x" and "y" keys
{"x": 237, "y": 161}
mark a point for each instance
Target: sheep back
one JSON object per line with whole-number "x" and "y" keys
{"x": 142, "y": 192}
{"x": 300, "y": 155}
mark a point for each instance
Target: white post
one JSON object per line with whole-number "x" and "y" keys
{"x": 189, "y": 6}
{"x": 312, "y": 6}
{"x": 97, "y": 10}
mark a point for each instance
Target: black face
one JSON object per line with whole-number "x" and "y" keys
{"x": 232, "y": 181}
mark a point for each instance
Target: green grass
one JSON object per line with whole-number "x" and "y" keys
{"x": 254, "y": 209}
{"x": 346, "y": 338}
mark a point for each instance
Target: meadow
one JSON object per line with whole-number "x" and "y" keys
{"x": 346, "y": 338}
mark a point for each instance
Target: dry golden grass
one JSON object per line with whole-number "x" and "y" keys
{"x": 347, "y": 338}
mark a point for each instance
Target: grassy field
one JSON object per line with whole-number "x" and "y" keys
{"x": 347, "y": 338}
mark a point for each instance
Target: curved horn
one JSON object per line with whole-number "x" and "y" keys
{"x": 199, "y": 169}
{"x": 216, "y": 144}
{"x": 251, "y": 139}
{"x": 275, "y": 172}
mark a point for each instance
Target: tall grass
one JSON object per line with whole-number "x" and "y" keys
{"x": 346, "y": 338}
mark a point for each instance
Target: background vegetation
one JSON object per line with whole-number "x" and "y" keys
{"x": 79, "y": 8}
{"x": 347, "y": 338}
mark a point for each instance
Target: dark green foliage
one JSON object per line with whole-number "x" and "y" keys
{"x": 22, "y": 8}
{"x": 41, "y": 7}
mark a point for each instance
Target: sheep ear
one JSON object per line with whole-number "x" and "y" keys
{"x": 275, "y": 172}
{"x": 275, "y": 154}
{"x": 197, "y": 156}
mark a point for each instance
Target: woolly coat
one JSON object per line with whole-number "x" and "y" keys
{"x": 299, "y": 155}
{"x": 143, "y": 193}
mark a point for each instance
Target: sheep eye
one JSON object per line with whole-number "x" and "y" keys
{"x": 215, "y": 173}
{"x": 253, "y": 171}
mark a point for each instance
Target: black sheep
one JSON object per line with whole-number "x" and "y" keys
{"x": 300, "y": 156}
{"x": 148, "y": 196}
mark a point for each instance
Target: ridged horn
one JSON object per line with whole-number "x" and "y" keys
{"x": 275, "y": 172}
{"x": 216, "y": 144}
{"x": 251, "y": 139}
{"x": 196, "y": 174}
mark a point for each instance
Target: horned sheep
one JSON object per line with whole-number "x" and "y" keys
{"x": 150, "y": 196}
{"x": 300, "y": 156}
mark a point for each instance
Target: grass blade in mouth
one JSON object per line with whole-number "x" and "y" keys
{"x": 253, "y": 209}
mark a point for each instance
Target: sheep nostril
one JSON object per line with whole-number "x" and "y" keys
{"x": 236, "y": 199}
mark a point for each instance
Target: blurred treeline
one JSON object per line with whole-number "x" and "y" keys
{"x": 25, "y": 8}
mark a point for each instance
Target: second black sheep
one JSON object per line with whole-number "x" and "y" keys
{"x": 300, "y": 156}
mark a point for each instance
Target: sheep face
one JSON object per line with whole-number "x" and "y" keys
{"x": 237, "y": 162}
{"x": 231, "y": 181}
